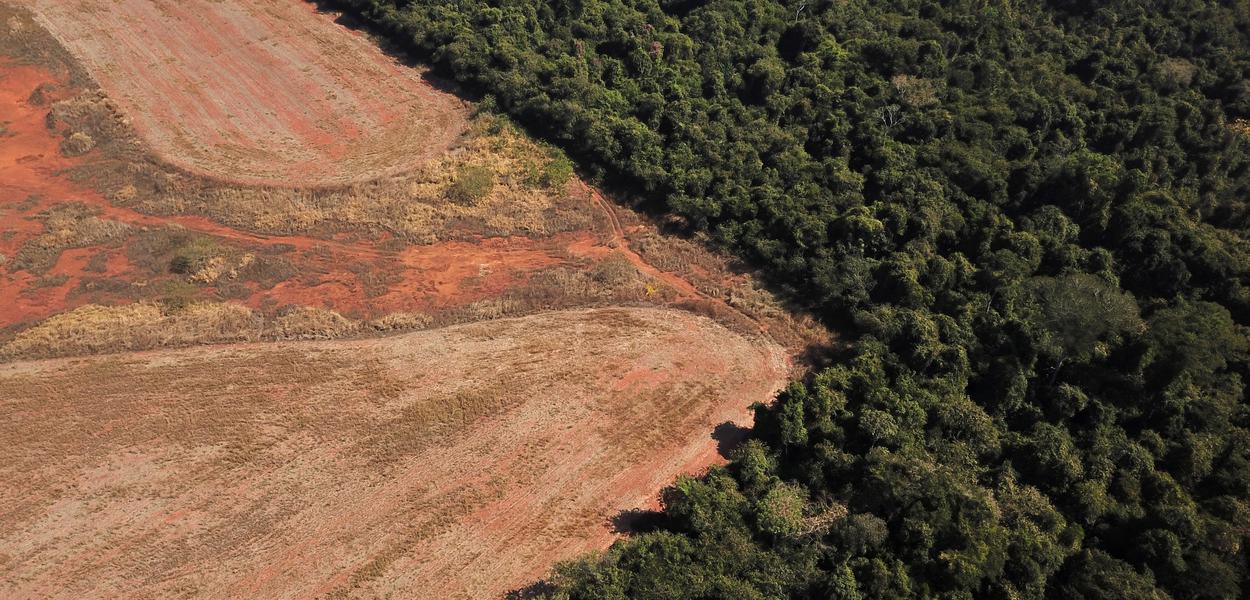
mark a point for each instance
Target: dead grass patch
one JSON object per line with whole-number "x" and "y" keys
{"x": 92, "y": 328}
{"x": 401, "y": 321}
{"x": 744, "y": 298}
{"x": 51, "y": 281}
{"x": 607, "y": 282}
{"x": 204, "y": 260}
{"x": 77, "y": 144}
{"x": 310, "y": 323}
{"x": 69, "y": 225}
{"x": 486, "y": 186}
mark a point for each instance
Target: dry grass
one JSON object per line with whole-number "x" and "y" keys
{"x": 431, "y": 203}
{"x": 310, "y": 323}
{"x": 90, "y": 329}
{"x": 612, "y": 281}
{"x": 181, "y": 318}
{"x": 94, "y": 329}
{"x": 400, "y": 321}
{"x": 91, "y": 119}
{"x": 77, "y": 144}
{"x": 204, "y": 260}
{"x": 744, "y": 298}
{"x": 69, "y": 225}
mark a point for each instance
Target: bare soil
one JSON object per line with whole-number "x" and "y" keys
{"x": 260, "y": 91}
{"x": 459, "y": 462}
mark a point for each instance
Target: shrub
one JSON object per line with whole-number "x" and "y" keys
{"x": 77, "y": 144}
{"x": 557, "y": 172}
{"x": 472, "y": 185}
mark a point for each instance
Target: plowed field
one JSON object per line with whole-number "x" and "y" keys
{"x": 257, "y": 91}
{"x": 460, "y": 462}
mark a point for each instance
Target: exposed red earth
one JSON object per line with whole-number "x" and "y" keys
{"x": 422, "y": 277}
{"x": 32, "y": 179}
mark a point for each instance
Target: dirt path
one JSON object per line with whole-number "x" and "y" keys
{"x": 456, "y": 463}
{"x": 619, "y": 239}
{"x": 263, "y": 91}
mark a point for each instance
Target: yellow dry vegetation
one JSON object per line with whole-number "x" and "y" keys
{"x": 182, "y": 321}
{"x": 69, "y": 225}
{"x": 401, "y": 320}
{"x": 417, "y": 207}
{"x": 94, "y": 328}
{"x": 311, "y": 323}
{"x": 720, "y": 278}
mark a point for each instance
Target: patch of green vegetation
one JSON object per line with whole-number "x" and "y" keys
{"x": 553, "y": 173}
{"x": 193, "y": 254}
{"x": 177, "y": 294}
{"x": 472, "y": 185}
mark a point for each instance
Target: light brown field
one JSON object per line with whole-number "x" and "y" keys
{"x": 459, "y": 462}
{"x": 257, "y": 91}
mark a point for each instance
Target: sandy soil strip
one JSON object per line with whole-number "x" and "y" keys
{"x": 459, "y": 462}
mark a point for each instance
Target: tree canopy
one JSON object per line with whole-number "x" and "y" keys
{"x": 1032, "y": 218}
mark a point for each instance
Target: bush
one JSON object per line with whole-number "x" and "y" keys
{"x": 77, "y": 144}
{"x": 557, "y": 173}
{"x": 472, "y": 185}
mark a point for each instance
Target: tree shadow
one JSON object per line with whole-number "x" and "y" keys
{"x": 402, "y": 54}
{"x": 635, "y": 521}
{"x": 533, "y": 590}
{"x": 729, "y": 436}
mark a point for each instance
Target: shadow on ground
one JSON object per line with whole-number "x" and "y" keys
{"x": 729, "y": 436}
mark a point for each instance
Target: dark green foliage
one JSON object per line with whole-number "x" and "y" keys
{"x": 1033, "y": 214}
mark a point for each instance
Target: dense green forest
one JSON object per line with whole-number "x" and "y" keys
{"x": 1030, "y": 221}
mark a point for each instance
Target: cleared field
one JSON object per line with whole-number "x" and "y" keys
{"x": 264, "y": 91}
{"x": 458, "y": 462}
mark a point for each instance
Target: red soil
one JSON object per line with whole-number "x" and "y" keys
{"x": 29, "y": 159}
{"x": 258, "y": 92}
{"x": 417, "y": 278}
{"x": 332, "y": 273}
